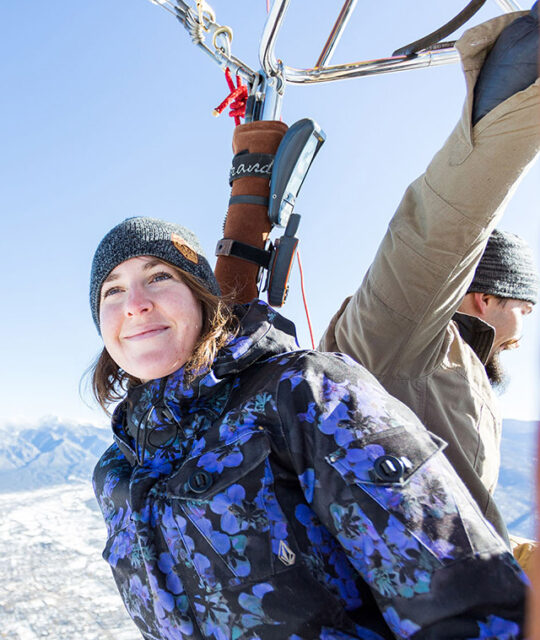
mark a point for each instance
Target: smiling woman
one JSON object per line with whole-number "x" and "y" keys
{"x": 154, "y": 317}
{"x": 254, "y": 490}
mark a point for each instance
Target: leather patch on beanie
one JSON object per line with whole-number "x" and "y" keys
{"x": 184, "y": 248}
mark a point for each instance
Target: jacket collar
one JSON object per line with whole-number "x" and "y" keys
{"x": 263, "y": 333}
{"x": 159, "y": 410}
{"x": 479, "y": 335}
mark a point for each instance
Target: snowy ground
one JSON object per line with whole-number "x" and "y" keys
{"x": 54, "y": 582}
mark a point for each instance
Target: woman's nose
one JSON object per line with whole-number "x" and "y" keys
{"x": 138, "y": 301}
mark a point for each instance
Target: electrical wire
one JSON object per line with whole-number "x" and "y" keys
{"x": 304, "y": 299}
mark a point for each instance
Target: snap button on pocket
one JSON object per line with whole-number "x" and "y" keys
{"x": 390, "y": 468}
{"x": 199, "y": 481}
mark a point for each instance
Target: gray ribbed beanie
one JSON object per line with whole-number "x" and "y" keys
{"x": 148, "y": 237}
{"x": 506, "y": 269}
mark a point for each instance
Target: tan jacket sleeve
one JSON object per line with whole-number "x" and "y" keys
{"x": 396, "y": 322}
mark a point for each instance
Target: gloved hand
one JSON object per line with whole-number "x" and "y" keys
{"x": 511, "y": 66}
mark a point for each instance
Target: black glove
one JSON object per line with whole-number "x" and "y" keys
{"x": 511, "y": 66}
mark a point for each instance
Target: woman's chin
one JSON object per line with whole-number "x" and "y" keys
{"x": 152, "y": 370}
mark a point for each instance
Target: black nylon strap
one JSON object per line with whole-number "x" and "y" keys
{"x": 235, "y": 249}
{"x": 251, "y": 165}
{"x": 427, "y": 41}
{"x": 260, "y": 200}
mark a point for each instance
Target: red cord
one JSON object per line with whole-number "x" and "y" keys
{"x": 304, "y": 299}
{"x": 236, "y": 99}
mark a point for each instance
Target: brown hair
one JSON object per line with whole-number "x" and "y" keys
{"x": 109, "y": 383}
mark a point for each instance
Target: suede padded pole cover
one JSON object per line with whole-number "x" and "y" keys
{"x": 248, "y": 223}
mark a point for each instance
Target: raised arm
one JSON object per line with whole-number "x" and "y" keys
{"x": 398, "y": 317}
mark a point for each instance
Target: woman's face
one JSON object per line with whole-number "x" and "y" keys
{"x": 150, "y": 320}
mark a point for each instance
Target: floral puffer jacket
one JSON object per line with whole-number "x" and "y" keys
{"x": 285, "y": 495}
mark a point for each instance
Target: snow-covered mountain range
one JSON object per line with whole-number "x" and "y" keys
{"x": 49, "y": 453}
{"x": 52, "y": 534}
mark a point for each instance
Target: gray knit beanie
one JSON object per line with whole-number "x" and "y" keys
{"x": 506, "y": 269}
{"x": 148, "y": 237}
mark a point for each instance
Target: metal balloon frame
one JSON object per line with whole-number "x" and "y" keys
{"x": 266, "y": 86}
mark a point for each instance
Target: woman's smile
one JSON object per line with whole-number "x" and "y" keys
{"x": 148, "y": 331}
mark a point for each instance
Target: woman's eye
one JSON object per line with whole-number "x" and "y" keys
{"x": 162, "y": 275}
{"x": 110, "y": 291}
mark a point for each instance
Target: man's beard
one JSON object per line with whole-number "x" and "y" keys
{"x": 496, "y": 373}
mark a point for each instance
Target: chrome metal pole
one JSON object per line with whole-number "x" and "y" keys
{"x": 369, "y": 68}
{"x": 273, "y": 24}
{"x": 335, "y": 34}
{"x": 508, "y": 5}
{"x": 273, "y": 98}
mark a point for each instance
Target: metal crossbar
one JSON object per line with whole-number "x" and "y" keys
{"x": 267, "y": 86}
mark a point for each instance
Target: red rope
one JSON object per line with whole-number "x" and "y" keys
{"x": 229, "y": 79}
{"x": 304, "y": 298}
{"x": 236, "y": 99}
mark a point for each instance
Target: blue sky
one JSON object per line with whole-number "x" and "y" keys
{"x": 106, "y": 113}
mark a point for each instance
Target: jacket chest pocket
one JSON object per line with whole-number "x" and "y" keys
{"x": 406, "y": 484}
{"x": 226, "y": 512}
